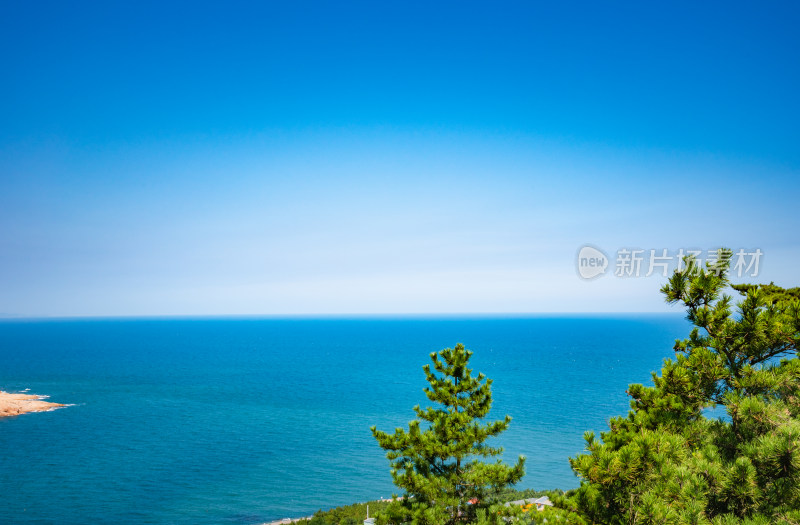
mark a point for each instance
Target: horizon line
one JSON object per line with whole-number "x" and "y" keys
{"x": 323, "y": 316}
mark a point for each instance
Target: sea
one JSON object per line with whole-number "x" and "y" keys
{"x": 249, "y": 420}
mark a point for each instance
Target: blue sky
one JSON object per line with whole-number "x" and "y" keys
{"x": 339, "y": 158}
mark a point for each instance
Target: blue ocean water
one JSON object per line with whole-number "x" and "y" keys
{"x": 250, "y": 420}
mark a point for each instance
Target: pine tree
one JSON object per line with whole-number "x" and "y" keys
{"x": 437, "y": 460}
{"x": 670, "y": 460}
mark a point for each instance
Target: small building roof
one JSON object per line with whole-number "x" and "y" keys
{"x": 544, "y": 500}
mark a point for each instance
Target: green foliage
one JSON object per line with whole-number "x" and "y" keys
{"x": 666, "y": 462}
{"x": 436, "y": 461}
{"x": 346, "y": 515}
{"x": 357, "y": 512}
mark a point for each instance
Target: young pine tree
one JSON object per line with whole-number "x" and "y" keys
{"x": 437, "y": 461}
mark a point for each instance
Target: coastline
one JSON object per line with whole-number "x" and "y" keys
{"x": 18, "y": 404}
{"x": 355, "y": 511}
{"x": 286, "y": 521}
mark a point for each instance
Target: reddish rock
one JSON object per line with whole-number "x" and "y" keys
{"x": 16, "y": 404}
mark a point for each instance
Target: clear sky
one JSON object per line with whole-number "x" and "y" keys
{"x": 387, "y": 157}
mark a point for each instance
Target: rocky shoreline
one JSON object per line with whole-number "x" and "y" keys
{"x": 17, "y": 404}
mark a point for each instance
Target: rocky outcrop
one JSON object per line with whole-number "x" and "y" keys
{"x": 16, "y": 404}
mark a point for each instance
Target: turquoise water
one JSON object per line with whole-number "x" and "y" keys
{"x": 249, "y": 420}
